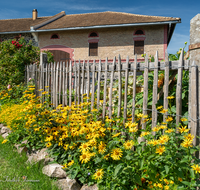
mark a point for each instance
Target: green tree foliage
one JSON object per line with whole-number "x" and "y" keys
{"x": 14, "y": 55}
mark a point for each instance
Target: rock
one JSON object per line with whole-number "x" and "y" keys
{"x": 62, "y": 184}
{"x": 1, "y": 125}
{"x": 5, "y": 135}
{"x": 39, "y": 156}
{"x": 5, "y": 130}
{"x": 21, "y": 149}
{"x": 73, "y": 184}
{"x": 93, "y": 187}
{"x": 54, "y": 170}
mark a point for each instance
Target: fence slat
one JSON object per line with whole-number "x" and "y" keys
{"x": 93, "y": 85}
{"x": 166, "y": 86}
{"x": 66, "y": 83}
{"x": 75, "y": 82}
{"x": 63, "y": 84}
{"x": 145, "y": 95}
{"x": 99, "y": 85}
{"x": 126, "y": 88}
{"x": 119, "y": 88}
{"x": 134, "y": 87}
{"x": 194, "y": 98}
{"x": 111, "y": 88}
{"x": 105, "y": 90}
{"x": 56, "y": 87}
{"x": 60, "y": 81}
{"x": 83, "y": 81}
{"x": 79, "y": 81}
{"x": 155, "y": 92}
{"x": 70, "y": 83}
{"x": 179, "y": 89}
{"x": 88, "y": 81}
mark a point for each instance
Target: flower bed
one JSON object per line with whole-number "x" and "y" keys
{"x": 107, "y": 153}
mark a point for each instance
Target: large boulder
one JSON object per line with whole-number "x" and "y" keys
{"x": 54, "y": 170}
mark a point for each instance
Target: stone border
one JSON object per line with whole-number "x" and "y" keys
{"x": 52, "y": 170}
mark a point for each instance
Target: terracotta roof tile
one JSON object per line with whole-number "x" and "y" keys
{"x": 103, "y": 18}
{"x": 79, "y": 20}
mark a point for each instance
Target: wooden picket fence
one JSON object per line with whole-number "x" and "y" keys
{"x": 63, "y": 80}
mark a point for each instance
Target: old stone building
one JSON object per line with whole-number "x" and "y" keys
{"x": 94, "y": 35}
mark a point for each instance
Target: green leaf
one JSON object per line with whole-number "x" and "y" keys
{"x": 137, "y": 179}
{"x": 118, "y": 169}
{"x": 192, "y": 173}
{"x": 173, "y": 109}
{"x": 167, "y": 169}
{"x": 73, "y": 174}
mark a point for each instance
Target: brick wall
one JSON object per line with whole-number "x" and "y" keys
{"x": 112, "y": 42}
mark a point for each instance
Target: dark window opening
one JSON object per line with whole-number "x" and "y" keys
{"x": 93, "y": 34}
{"x": 139, "y": 47}
{"x": 54, "y": 36}
{"x": 139, "y": 32}
{"x": 93, "y": 49}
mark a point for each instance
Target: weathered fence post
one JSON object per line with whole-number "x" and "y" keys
{"x": 194, "y": 51}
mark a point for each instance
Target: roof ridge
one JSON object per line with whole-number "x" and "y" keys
{"x": 122, "y": 13}
{"x": 140, "y": 14}
{"x": 25, "y": 18}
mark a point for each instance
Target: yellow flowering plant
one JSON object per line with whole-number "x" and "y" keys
{"x": 107, "y": 153}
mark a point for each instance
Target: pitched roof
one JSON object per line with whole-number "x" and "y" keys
{"x": 24, "y": 24}
{"x": 61, "y": 20}
{"x": 103, "y": 18}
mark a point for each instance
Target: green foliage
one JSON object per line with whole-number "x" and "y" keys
{"x": 14, "y": 55}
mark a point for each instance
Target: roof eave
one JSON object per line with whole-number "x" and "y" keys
{"x": 107, "y": 26}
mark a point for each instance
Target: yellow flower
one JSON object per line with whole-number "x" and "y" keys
{"x": 4, "y": 141}
{"x": 116, "y": 154}
{"x": 84, "y": 147}
{"x": 189, "y": 136}
{"x": 144, "y": 134}
{"x": 170, "y": 97}
{"x": 128, "y": 144}
{"x": 116, "y": 135}
{"x": 196, "y": 168}
{"x": 154, "y": 142}
{"x": 65, "y": 146}
{"x": 160, "y": 150}
{"x": 71, "y": 163}
{"x": 169, "y": 131}
{"x": 99, "y": 174}
{"x": 183, "y": 119}
{"x": 102, "y": 147}
{"x": 169, "y": 119}
{"x": 48, "y": 144}
{"x": 183, "y": 129}
{"x": 156, "y": 129}
{"x": 85, "y": 157}
{"x": 186, "y": 143}
{"x": 164, "y": 111}
{"x": 163, "y": 139}
{"x": 180, "y": 179}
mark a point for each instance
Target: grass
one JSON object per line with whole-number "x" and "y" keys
{"x": 15, "y": 174}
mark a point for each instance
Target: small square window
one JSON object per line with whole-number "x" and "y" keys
{"x": 139, "y": 47}
{"x": 93, "y": 49}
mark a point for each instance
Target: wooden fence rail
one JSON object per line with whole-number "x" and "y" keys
{"x": 66, "y": 82}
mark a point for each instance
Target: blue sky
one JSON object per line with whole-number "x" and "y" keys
{"x": 186, "y": 10}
